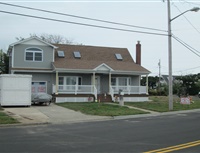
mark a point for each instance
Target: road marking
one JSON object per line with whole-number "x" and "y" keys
{"x": 177, "y": 147}
{"x": 132, "y": 121}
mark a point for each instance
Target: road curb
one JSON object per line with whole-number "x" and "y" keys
{"x": 23, "y": 124}
{"x": 155, "y": 114}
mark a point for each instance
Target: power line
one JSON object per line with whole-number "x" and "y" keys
{"x": 81, "y": 17}
{"x": 187, "y": 69}
{"x": 183, "y": 70}
{"x": 83, "y": 24}
{"x": 192, "y": 3}
{"x": 186, "y": 45}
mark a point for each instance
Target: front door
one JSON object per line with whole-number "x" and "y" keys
{"x": 97, "y": 84}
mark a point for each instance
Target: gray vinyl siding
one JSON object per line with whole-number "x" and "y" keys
{"x": 42, "y": 77}
{"x": 20, "y": 62}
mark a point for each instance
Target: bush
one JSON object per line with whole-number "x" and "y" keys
{"x": 157, "y": 93}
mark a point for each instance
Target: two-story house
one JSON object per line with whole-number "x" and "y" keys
{"x": 79, "y": 73}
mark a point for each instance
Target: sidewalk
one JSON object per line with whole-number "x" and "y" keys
{"x": 151, "y": 112}
{"x": 58, "y": 114}
{"x": 51, "y": 114}
{"x": 26, "y": 115}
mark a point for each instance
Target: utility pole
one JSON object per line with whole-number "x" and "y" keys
{"x": 195, "y": 9}
{"x": 170, "y": 96}
{"x": 159, "y": 64}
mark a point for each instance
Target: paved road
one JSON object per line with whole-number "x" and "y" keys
{"x": 111, "y": 136}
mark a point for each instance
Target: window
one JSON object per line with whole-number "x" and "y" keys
{"x": 70, "y": 80}
{"x": 119, "y": 57}
{"x": 60, "y": 83}
{"x": 38, "y": 87}
{"x": 120, "y": 81}
{"x": 113, "y": 81}
{"x": 33, "y": 54}
{"x": 123, "y": 81}
{"x": 69, "y": 83}
{"x": 61, "y": 53}
{"x": 77, "y": 54}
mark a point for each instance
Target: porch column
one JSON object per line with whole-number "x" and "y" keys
{"x": 93, "y": 79}
{"x": 93, "y": 83}
{"x": 109, "y": 81}
{"x": 56, "y": 92}
{"x": 147, "y": 85}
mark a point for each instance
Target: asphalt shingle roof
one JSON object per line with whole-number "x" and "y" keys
{"x": 92, "y": 57}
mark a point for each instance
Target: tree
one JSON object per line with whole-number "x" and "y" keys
{"x": 4, "y": 62}
{"x": 51, "y": 38}
{"x": 190, "y": 84}
{"x": 152, "y": 81}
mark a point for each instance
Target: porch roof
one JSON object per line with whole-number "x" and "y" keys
{"x": 92, "y": 57}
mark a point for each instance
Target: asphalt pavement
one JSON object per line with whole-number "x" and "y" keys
{"x": 169, "y": 133}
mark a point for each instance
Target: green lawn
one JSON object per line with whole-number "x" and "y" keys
{"x": 5, "y": 119}
{"x": 101, "y": 109}
{"x": 160, "y": 104}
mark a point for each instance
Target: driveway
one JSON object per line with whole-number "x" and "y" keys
{"x": 49, "y": 114}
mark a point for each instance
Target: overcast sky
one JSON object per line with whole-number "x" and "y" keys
{"x": 150, "y": 14}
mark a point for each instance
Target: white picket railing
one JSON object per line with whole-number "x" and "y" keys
{"x": 91, "y": 89}
{"x": 75, "y": 89}
{"x": 130, "y": 89}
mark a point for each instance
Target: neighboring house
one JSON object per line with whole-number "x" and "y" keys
{"x": 165, "y": 79}
{"x": 73, "y": 73}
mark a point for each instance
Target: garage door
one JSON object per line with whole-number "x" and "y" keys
{"x": 39, "y": 87}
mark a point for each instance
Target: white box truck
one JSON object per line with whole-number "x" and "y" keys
{"x": 15, "y": 90}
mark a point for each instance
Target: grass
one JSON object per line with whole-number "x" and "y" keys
{"x": 160, "y": 104}
{"x": 101, "y": 109}
{"x": 5, "y": 119}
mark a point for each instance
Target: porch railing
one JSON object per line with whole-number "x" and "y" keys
{"x": 75, "y": 89}
{"x": 130, "y": 89}
{"x": 91, "y": 89}
{"x": 112, "y": 93}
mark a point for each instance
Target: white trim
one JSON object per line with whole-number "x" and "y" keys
{"x": 13, "y": 57}
{"x": 41, "y": 71}
{"x": 72, "y": 99}
{"x": 22, "y": 41}
{"x": 53, "y": 55}
{"x": 103, "y": 64}
{"x": 91, "y": 71}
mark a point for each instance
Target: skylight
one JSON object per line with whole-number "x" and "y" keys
{"x": 118, "y": 56}
{"x": 61, "y": 53}
{"x": 77, "y": 54}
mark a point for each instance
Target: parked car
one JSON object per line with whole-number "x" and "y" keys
{"x": 41, "y": 98}
{"x": 199, "y": 94}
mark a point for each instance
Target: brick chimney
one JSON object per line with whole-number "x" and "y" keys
{"x": 138, "y": 53}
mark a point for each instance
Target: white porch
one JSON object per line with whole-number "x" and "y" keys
{"x": 91, "y": 89}
{"x": 101, "y": 80}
